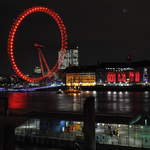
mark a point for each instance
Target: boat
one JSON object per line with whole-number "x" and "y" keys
{"x": 72, "y": 90}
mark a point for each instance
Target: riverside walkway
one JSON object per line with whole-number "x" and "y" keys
{"x": 135, "y": 136}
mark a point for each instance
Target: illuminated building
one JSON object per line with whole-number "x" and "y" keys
{"x": 124, "y": 74}
{"x": 80, "y": 76}
{"x": 70, "y": 59}
{"x": 109, "y": 74}
{"x": 81, "y": 79}
{"x": 123, "y": 77}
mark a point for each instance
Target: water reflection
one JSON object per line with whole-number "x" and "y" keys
{"x": 17, "y": 100}
{"x": 122, "y": 102}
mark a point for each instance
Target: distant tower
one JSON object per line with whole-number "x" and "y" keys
{"x": 71, "y": 58}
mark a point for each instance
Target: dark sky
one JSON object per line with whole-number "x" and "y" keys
{"x": 104, "y": 30}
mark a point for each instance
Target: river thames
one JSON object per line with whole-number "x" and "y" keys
{"x": 110, "y": 102}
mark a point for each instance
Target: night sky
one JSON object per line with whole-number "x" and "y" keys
{"x": 104, "y": 31}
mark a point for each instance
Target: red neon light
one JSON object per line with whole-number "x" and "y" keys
{"x": 131, "y": 76}
{"x": 137, "y": 77}
{"x": 121, "y": 77}
{"x": 111, "y": 77}
{"x": 11, "y": 40}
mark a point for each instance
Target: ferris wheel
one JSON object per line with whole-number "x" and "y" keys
{"x": 11, "y": 46}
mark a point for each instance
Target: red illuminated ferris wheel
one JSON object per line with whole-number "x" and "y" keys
{"x": 11, "y": 39}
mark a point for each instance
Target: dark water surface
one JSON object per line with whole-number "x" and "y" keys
{"x": 105, "y": 102}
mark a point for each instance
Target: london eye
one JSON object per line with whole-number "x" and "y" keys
{"x": 63, "y": 45}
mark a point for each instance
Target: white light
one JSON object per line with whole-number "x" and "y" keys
{"x": 98, "y": 124}
{"x": 120, "y": 93}
{"x": 109, "y": 92}
{"x": 74, "y": 94}
{"x": 94, "y": 92}
{"x": 114, "y": 92}
{"x": 63, "y": 129}
{"x": 146, "y": 92}
{"x": 67, "y": 123}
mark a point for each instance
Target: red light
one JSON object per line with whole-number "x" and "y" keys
{"x": 111, "y": 77}
{"x": 14, "y": 28}
{"x": 137, "y": 77}
{"x": 121, "y": 77}
{"x": 16, "y": 100}
{"x": 131, "y": 76}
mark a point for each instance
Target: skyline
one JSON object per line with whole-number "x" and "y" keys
{"x": 103, "y": 30}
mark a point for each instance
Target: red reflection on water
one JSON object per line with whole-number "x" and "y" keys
{"x": 17, "y": 100}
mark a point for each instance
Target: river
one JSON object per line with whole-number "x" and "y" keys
{"x": 105, "y": 102}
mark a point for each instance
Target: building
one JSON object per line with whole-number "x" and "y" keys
{"x": 123, "y": 74}
{"x": 81, "y": 76}
{"x": 70, "y": 59}
{"x": 110, "y": 74}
